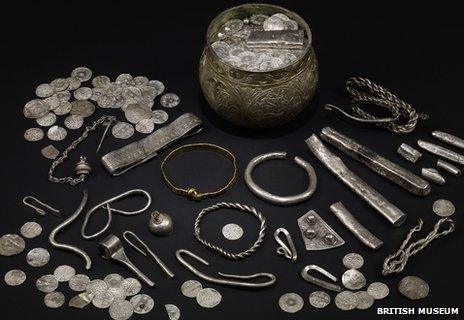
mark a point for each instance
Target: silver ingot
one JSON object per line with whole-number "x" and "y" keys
{"x": 160, "y": 224}
{"x": 433, "y": 175}
{"x": 276, "y": 39}
{"x": 449, "y": 138}
{"x": 441, "y": 151}
{"x": 275, "y": 199}
{"x": 352, "y": 224}
{"x": 317, "y": 234}
{"x": 409, "y": 153}
{"x": 81, "y": 300}
{"x": 380, "y": 165}
{"x": 319, "y": 282}
{"x": 288, "y": 250}
{"x": 377, "y": 201}
{"x": 448, "y": 167}
{"x": 111, "y": 248}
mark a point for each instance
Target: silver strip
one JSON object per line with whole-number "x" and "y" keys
{"x": 440, "y": 151}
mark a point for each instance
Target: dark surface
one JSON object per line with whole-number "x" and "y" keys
{"x": 416, "y": 54}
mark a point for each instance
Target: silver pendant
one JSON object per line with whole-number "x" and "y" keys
{"x": 317, "y": 234}
{"x": 160, "y": 224}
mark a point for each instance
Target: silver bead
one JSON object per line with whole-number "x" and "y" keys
{"x": 160, "y": 224}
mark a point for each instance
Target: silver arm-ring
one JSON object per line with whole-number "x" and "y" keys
{"x": 275, "y": 199}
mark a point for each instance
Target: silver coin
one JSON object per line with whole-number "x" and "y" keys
{"x": 113, "y": 280}
{"x": 413, "y": 288}
{"x": 73, "y": 121}
{"x": 232, "y": 26}
{"x": 64, "y": 273}
{"x": 173, "y": 311}
{"x": 56, "y": 133}
{"x": 79, "y": 282}
{"x": 47, "y": 283}
{"x": 106, "y": 100}
{"x": 35, "y": 109}
{"x": 158, "y": 85}
{"x": 101, "y": 81}
{"x": 148, "y": 92}
{"x": 54, "y": 299}
{"x": 232, "y": 231}
{"x": 140, "y": 80}
{"x": 132, "y": 94}
{"x": 353, "y": 279}
{"x": 142, "y": 303}
{"x": 170, "y": 100}
{"x": 97, "y": 93}
{"x": 120, "y": 102}
{"x": 81, "y": 300}
{"x": 274, "y": 23}
{"x": 365, "y": 300}
{"x": 11, "y": 244}
{"x": 53, "y": 102}
{"x": 378, "y": 290}
{"x": 83, "y": 108}
{"x": 346, "y": 300}
{"x": 63, "y": 108}
{"x": 50, "y": 152}
{"x": 190, "y": 288}
{"x": 117, "y": 292}
{"x": 122, "y": 130}
{"x": 145, "y": 126}
{"x": 60, "y": 84}
{"x": 258, "y": 19}
{"x": 125, "y": 79}
{"x": 291, "y": 302}
{"x": 83, "y": 93}
{"x": 33, "y": 134}
{"x": 31, "y": 230}
{"x": 121, "y": 310}
{"x": 319, "y": 299}
{"x": 159, "y": 116}
{"x": 38, "y": 257}
{"x": 208, "y": 297}
{"x": 64, "y": 95}
{"x": 15, "y": 277}
{"x": 443, "y": 208}
{"x": 221, "y": 48}
{"x": 96, "y": 286}
{"x": 82, "y": 74}
{"x": 44, "y": 90}
{"x": 353, "y": 261}
{"x": 47, "y": 120}
{"x": 74, "y": 83}
{"x": 136, "y": 112}
{"x": 131, "y": 286}
{"x": 103, "y": 299}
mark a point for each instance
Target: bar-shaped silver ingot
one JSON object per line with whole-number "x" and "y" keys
{"x": 377, "y": 201}
{"x": 448, "y": 167}
{"x": 449, "y": 139}
{"x": 122, "y": 160}
{"x": 281, "y": 39}
{"x": 441, "y": 151}
{"x": 409, "y": 153}
{"x": 433, "y": 175}
{"x": 380, "y": 165}
{"x": 352, "y": 224}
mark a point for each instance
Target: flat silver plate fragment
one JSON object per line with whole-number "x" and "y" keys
{"x": 346, "y": 300}
{"x": 232, "y": 231}
{"x": 31, "y": 230}
{"x": 131, "y": 286}
{"x": 11, "y": 244}
{"x": 81, "y": 300}
{"x": 208, "y": 298}
{"x": 38, "y": 257}
{"x": 54, "y": 299}
{"x": 353, "y": 261}
{"x": 64, "y": 273}
{"x": 170, "y": 100}
{"x": 47, "y": 283}
{"x": 79, "y": 282}
{"x": 33, "y": 134}
{"x": 190, "y": 288}
{"x": 173, "y": 311}
{"x": 443, "y": 208}
{"x": 121, "y": 310}
{"x": 14, "y": 277}
{"x": 353, "y": 279}
{"x": 319, "y": 299}
{"x": 378, "y": 290}
{"x": 276, "y": 39}
{"x": 433, "y": 175}
{"x": 409, "y": 153}
{"x": 317, "y": 234}
{"x": 291, "y": 302}
{"x": 50, "y": 152}
{"x": 365, "y": 300}
{"x": 142, "y": 303}
{"x": 413, "y": 288}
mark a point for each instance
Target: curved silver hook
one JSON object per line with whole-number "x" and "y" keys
{"x": 331, "y": 107}
{"x": 289, "y": 251}
{"x": 318, "y": 282}
{"x": 225, "y": 281}
{"x": 40, "y": 207}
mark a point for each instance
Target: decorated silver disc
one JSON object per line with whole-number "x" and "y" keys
{"x": 125, "y": 79}
{"x": 103, "y": 299}
{"x": 190, "y": 288}
{"x": 353, "y": 279}
{"x": 159, "y": 116}
{"x": 53, "y": 102}
{"x": 443, "y": 208}
{"x": 56, "y": 133}
{"x": 60, "y": 84}
{"x": 63, "y": 96}
{"x": 319, "y": 299}
{"x": 232, "y": 231}
{"x": 100, "y": 81}
{"x": 82, "y": 108}
{"x": 122, "y": 130}
{"x": 54, "y": 299}
{"x": 173, "y": 311}
{"x": 31, "y": 230}
{"x": 291, "y": 302}
{"x": 73, "y": 121}
{"x": 81, "y": 300}
{"x": 11, "y": 244}
{"x": 145, "y": 126}
{"x": 106, "y": 100}
{"x": 47, "y": 120}
{"x": 82, "y": 74}
{"x": 208, "y": 297}
{"x": 35, "y": 109}
{"x": 158, "y": 85}
{"x": 83, "y": 93}
{"x": 121, "y": 310}
{"x": 413, "y": 288}
{"x": 38, "y": 257}
{"x": 170, "y": 100}
{"x": 33, "y": 134}
{"x": 64, "y": 273}
{"x": 47, "y": 283}
{"x": 15, "y": 277}
{"x": 378, "y": 290}
{"x": 353, "y": 261}
{"x": 137, "y": 111}
{"x": 113, "y": 280}
{"x": 131, "y": 286}
{"x": 346, "y": 300}
{"x": 44, "y": 90}
{"x": 96, "y": 286}
{"x": 50, "y": 152}
{"x": 140, "y": 80}
{"x": 63, "y": 108}
{"x": 118, "y": 292}
{"x": 365, "y": 300}
{"x": 142, "y": 303}
{"x": 73, "y": 83}
{"x": 97, "y": 93}
{"x": 79, "y": 282}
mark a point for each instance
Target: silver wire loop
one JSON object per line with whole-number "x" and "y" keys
{"x": 318, "y": 282}
{"x": 40, "y": 207}
{"x": 288, "y": 251}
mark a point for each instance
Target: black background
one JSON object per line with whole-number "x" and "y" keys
{"x": 415, "y": 52}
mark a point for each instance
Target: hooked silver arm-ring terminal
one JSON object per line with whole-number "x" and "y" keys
{"x": 287, "y": 250}
{"x": 318, "y": 282}
{"x": 40, "y": 207}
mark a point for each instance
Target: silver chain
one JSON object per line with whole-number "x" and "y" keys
{"x": 73, "y": 181}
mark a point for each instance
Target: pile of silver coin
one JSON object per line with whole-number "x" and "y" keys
{"x": 260, "y": 43}
{"x": 206, "y": 297}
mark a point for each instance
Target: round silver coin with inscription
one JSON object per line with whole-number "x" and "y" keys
{"x": 96, "y": 286}
{"x": 232, "y": 231}
{"x": 208, "y": 297}
{"x": 47, "y": 120}
{"x": 443, "y": 208}
{"x": 103, "y": 299}
{"x": 170, "y": 100}
{"x": 291, "y": 302}
{"x": 190, "y": 288}
{"x": 44, "y": 90}
{"x": 73, "y": 121}
{"x": 122, "y": 130}
{"x": 142, "y": 303}
{"x": 73, "y": 83}
{"x": 60, "y": 84}
{"x": 38, "y": 257}
{"x": 121, "y": 310}
{"x": 82, "y": 74}
{"x": 131, "y": 286}
{"x": 79, "y": 282}
{"x": 63, "y": 96}
{"x": 83, "y": 93}
{"x": 54, "y": 299}
{"x": 158, "y": 85}
{"x": 35, "y": 109}
{"x": 353, "y": 261}
{"x": 15, "y": 277}
{"x": 346, "y": 300}
{"x": 11, "y": 244}
{"x": 100, "y": 81}
{"x": 159, "y": 116}
{"x": 173, "y": 311}
{"x": 145, "y": 126}
{"x": 413, "y": 288}
{"x": 113, "y": 280}
{"x": 47, "y": 283}
{"x": 82, "y": 108}
{"x": 31, "y": 230}
{"x": 33, "y": 134}
{"x": 63, "y": 108}
{"x": 319, "y": 299}
{"x": 52, "y": 102}
{"x": 64, "y": 273}
{"x": 365, "y": 300}
{"x": 56, "y": 133}
{"x": 378, "y": 290}
{"x": 353, "y": 279}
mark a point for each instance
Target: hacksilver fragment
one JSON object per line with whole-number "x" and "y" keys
{"x": 448, "y": 167}
{"x": 50, "y": 152}
{"x": 317, "y": 234}
{"x": 276, "y": 39}
{"x": 81, "y": 300}
{"x": 409, "y": 153}
{"x": 433, "y": 175}
{"x": 441, "y": 151}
